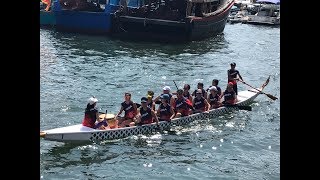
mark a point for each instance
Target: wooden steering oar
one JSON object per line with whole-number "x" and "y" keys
{"x": 269, "y": 95}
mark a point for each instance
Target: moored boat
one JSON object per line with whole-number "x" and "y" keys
{"x": 76, "y": 133}
{"x": 82, "y": 16}
{"x": 182, "y": 20}
{"x": 268, "y": 14}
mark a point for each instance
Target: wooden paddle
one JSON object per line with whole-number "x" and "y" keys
{"x": 269, "y": 95}
{"x": 175, "y": 84}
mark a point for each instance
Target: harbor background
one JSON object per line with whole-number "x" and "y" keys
{"x": 239, "y": 145}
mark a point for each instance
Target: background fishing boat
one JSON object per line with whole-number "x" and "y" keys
{"x": 174, "y": 20}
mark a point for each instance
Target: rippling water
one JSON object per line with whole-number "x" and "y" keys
{"x": 238, "y": 145}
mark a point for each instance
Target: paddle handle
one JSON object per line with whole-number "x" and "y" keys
{"x": 175, "y": 84}
{"x": 251, "y": 86}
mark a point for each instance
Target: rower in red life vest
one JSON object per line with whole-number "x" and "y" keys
{"x": 214, "y": 98}
{"x": 229, "y": 95}
{"x": 165, "y": 111}
{"x": 166, "y": 90}
{"x": 181, "y": 105}
{"x": 91, "y": 115}
{"x": 200, "y": 103}
{"x": 145, "y": 114}
{"x": 130, "y": 111}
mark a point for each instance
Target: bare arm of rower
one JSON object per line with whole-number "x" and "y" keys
{"x": 208, "y": 106}
{"x": 172, "y": 112}
{"x": 121, "y": 109}
{"x": 156, "y": 99}
{"x": 172, "y": 101}
{"x": 240, "y": 76}
{"x": 158, "y": 111}
{"x": 155, "y": 117}
{"x": 137, "y": 117}
{"x": 221, "y": 96}
{"x": 135, "y": 108}
{"x": 97, "y": 116}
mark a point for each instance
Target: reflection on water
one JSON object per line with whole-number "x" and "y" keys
{"x": 100, "y": 47}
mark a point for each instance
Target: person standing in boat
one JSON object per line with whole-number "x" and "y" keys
{"x": 130, "y": 111}
{"x": 151, "y": 104}
{"x": 229, "y": 95}
{"x": 145, "y": 114}
{"x": 166, "y": 90}
{"x": 200, "y": 86}
{"x": 214, "y": 98}
{"x": 215, "y": 83}
{"x": 200, "y": 103}
{"x": 181, "y": 105}
{"x": 165, "y": 111}
{"x": 233, "y": 76}
{"x": 91, "y": 114}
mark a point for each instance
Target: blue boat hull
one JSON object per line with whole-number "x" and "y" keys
{"x": 47, "y": 18}
{"x": 83, "y": 22}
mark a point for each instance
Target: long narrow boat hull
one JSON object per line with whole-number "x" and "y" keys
{"x": 81, "y": 133}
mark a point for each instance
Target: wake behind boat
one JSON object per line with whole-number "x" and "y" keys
{"x": 77, "y": 133}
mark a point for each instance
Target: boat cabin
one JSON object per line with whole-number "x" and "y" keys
{"x": 168, "y": 9}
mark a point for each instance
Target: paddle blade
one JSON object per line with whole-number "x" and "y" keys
{"x": 266, "y": 83}
{"x": 271, "y": 97}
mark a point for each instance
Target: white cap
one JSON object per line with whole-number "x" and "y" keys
{"x": 166, "y": 88}
{"x": 92, "y": 100}
{"x": 213, "y": 88}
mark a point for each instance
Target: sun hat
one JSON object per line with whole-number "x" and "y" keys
{"x": 213, "y": 88}
{"x": 166, "y": 88}
{"x": 92, "y": 100}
